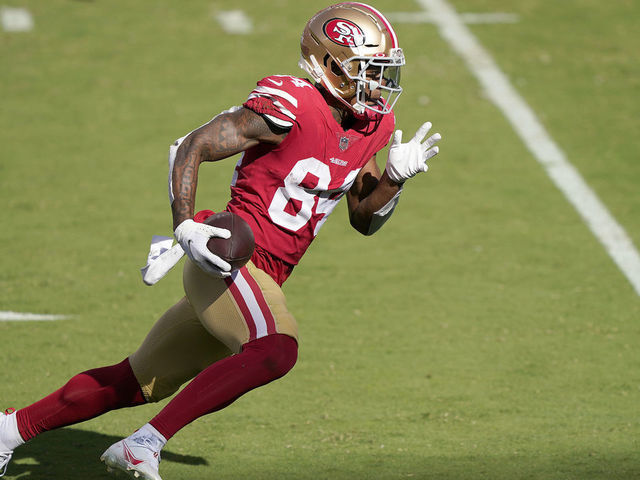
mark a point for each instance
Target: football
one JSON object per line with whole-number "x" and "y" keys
{"x": 237, "y": 249}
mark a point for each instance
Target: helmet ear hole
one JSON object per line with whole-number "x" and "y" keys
{"x": 335, "y": 69}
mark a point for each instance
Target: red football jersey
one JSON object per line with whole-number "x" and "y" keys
{"x": 286, "y": 192}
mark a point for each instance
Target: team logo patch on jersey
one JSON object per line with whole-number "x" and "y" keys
{"x": 344, "y": 32}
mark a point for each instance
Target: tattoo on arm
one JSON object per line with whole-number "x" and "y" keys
{"x": 224, "y": 136}
{"x": 185, "y": 181}
{"x": 223, "y": 139}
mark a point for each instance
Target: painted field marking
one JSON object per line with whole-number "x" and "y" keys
{"x": 16, "y": 19}
{"x": 524, "y": 121}
{"x": 235, "y": 22}
{"x": 469, "y": 18}
{"x": 8, "y": 316}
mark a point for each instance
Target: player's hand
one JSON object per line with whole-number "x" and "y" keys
{"x": 193, "y": 238}
{"x": 408, "y": 159}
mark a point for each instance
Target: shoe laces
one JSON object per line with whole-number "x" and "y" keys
{"x": 149, "y": 442}
{"x": 4, "y": 462}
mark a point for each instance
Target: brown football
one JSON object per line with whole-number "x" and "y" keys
{"x": 237, "y": 249}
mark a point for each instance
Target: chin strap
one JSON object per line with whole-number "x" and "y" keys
{"x": 315, "y": 69}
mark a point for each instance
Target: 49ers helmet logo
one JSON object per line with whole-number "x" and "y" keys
{"x": 344, "y": 32}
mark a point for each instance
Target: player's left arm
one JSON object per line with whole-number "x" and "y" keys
{"x": 370, "y": 192}
{"x": 374, "y": 196}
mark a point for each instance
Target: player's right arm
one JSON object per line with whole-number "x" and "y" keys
{"x": 224, "y": 136}
{"x": 227, "y": 134}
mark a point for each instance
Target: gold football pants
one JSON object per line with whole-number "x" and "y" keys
{"x": 214, "y": 319}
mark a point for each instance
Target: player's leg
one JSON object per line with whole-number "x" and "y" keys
{"x": 249, "y": 314}
{"x": 254, "y": 320}
{"x": 131, "y": 382}
{"x": 260, "y": 362}
{"x": 84, "y": 396}
{"x": 155, "y": 371}
{"x": 176, "y": 349}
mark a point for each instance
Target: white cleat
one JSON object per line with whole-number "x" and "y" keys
{"x": 4, "y": 461}
{"x": 5, "y": 452}
{"x": 134, "y": 456}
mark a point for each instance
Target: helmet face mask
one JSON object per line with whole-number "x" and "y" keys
{"x": 352, "y": 50}
{"x": 381, "y": 74}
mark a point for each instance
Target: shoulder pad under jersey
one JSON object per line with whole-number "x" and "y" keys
{"x": 278, "y": 98}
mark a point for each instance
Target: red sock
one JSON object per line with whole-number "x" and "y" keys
{"x": 220, "y": 384}
{"x": 85, "y": 396}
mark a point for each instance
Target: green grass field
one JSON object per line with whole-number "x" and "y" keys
{"x": 484, "y": 333}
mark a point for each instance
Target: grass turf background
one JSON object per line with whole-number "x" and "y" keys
{"x": 484, "y": 333}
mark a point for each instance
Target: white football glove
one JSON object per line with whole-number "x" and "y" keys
{"x": 162, "y": 258}
{"x": 408, "y": 159}
{"x": 193, "y": 238}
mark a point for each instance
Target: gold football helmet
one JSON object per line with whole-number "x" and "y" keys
{"x": 351, "y": 49}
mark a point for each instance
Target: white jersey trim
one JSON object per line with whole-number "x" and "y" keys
{"x": 276, "y": 104}
{"x": 278, "y": 122}
{"x": 277, "y": 93}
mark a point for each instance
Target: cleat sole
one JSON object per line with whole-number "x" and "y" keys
{"x": 117, "y": 466}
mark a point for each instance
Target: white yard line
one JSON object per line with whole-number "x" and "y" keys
{"x": 15, "y": 19}
{"x": 524, "y": 121}
{"x": 470, "y": 18}
{"x": 8, "y": 316}
{"x": 235, "y": 22}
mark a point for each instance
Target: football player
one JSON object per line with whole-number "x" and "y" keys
{"x": 305, "y": 143}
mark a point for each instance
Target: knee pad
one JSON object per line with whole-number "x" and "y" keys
{"x": 278, "y": 353}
